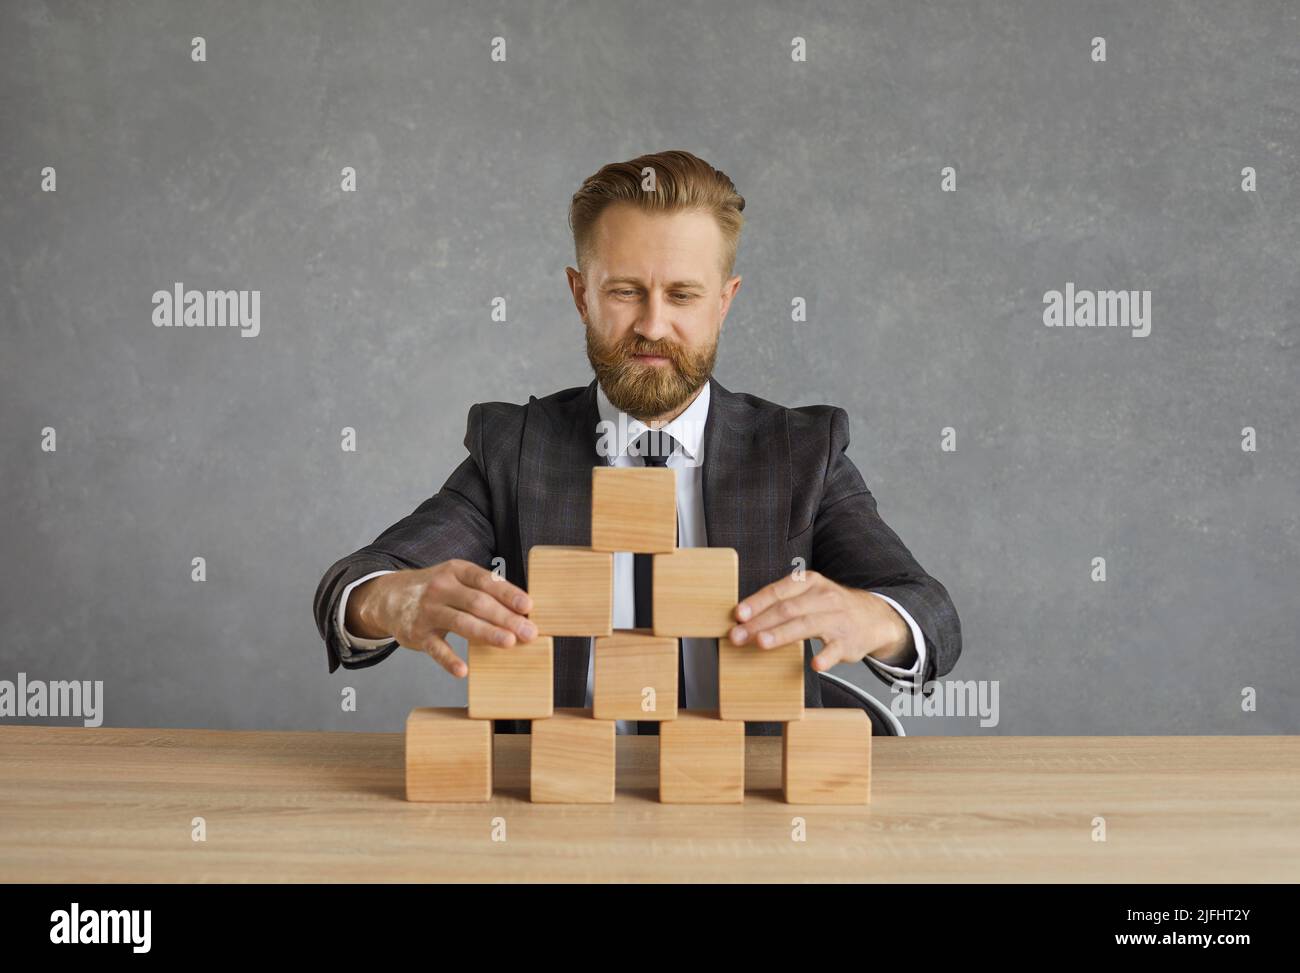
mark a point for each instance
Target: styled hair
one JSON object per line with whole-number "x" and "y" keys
{"x": 682, "y": 181}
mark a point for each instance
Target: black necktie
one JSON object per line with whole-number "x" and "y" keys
{"x": 655, "y": 454}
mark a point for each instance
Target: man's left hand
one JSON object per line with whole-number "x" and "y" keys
{"x": 852, "y": 623}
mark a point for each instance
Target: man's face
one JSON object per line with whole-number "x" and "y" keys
{"x": 654, "y": 301}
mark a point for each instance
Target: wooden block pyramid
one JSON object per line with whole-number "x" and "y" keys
{"x": 826, "y": 753}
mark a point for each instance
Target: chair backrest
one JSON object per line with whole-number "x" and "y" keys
{"x": 842, "y": 694}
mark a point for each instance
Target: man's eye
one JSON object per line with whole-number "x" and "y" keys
{"x": 625, "y": 293}
{"x": 683, "y": 297}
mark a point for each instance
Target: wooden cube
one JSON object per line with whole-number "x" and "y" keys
{"x": 448, "y": 756}
{"x": 826, "y": 757}
{"x": 633, "y": 509}
{"x": 627, "y": 664}
{"x": 696, "y": 590}
{"x": 572, "y": 589}
{"x": 572, "y": 759}
{"x": 701, "y": 759}
{"x": 515, "y": 683}
{"x": 760, "y": 684}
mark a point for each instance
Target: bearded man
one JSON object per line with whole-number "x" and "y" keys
{"x": 655, "y": 242}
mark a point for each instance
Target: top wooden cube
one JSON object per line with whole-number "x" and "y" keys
{"x": 634, "y": 509}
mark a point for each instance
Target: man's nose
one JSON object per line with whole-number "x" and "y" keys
{"x": 655, "y": 323}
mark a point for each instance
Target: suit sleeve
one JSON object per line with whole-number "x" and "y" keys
{"x": 854, "y": 546}
{"x": 454, "y": 523}
{"x": 905, "y": 677}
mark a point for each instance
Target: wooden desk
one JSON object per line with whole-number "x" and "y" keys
{"x": 115, "y": 805}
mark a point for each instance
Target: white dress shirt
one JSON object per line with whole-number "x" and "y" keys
{"x": 699, "y": 656}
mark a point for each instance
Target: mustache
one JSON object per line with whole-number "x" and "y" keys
{"x": 635, "y": 344}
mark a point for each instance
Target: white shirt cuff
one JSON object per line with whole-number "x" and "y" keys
{"x": 355, "y": 641}
{"x": 917, "y": 668}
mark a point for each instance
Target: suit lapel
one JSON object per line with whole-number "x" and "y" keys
{"x": 747, "y": 499}
{"x": 747, "y": 487}
{"x": 554, "y": 505}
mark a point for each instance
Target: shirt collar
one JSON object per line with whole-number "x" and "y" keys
{"x": 687, "y": 429}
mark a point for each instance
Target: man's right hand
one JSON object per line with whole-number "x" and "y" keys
{"x": 419, "y": 607}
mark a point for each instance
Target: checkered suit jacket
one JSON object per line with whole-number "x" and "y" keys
{"x": 777, "y": 485}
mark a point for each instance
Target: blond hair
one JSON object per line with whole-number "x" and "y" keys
{"x": 682, "y": 181}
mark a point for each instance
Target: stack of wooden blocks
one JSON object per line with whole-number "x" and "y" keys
{"x": 826, "y": 753}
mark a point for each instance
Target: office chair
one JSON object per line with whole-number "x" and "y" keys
{"x": 842, "y": 694}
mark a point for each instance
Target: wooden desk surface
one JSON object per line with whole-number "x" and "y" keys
{"x": 115, "y": 805}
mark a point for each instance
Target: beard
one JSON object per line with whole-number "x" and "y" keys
{"x": 648, "y": 391}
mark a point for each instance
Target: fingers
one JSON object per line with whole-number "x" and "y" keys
{"x": 471, "y": 628}
{"x": 472, "y": 602}
{"x": 809, "y": 602}
{"x": 831, "y": 655}
{"x": 798, "y": 628}
{"x": 778, "y": 591}
{"x": 481, "y": 605}
{"x": 509, "y": 595}
{"x": 436, "y": 647}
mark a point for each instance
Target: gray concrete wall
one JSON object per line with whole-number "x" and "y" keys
{"x": 925, "y": 312}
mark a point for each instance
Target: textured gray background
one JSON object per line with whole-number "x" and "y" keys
{"x": 925, "y": 311}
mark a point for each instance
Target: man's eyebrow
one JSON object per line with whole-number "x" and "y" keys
{"x": 675, "y": 285}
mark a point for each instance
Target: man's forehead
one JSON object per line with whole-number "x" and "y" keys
{"x": 626, "y": 233}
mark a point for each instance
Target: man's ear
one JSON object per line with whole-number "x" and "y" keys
{"x": 729, "y": 290}
{"x": 579, "y": 290}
